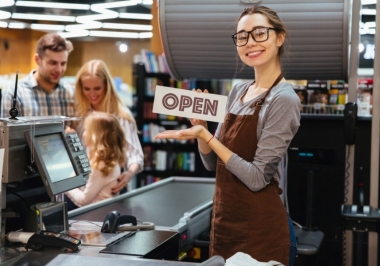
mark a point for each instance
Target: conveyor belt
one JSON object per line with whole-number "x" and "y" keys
{"x": 163, "y": 205}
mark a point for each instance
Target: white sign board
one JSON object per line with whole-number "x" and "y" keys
{"x": 190, "y": 104}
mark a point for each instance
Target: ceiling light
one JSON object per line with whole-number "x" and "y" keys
{"x": 114, "y": 34}
{"x": 90, "y": 18}
{"x": 4, "y": 15}
{"x": 145, "y": 35}
{"x": 369, "y": 2}
{"x": 117, "y": 4}
{"x": 47, "y": 27}
{"x": 87, "y": 26}
{"x": 361, "y": 47}
{"x": 52, "y": 5}
{"x": 364, "y": 31}
{"x": 370, "y": 24}
{"x": 16, "y": 25}
{"x": 136, "y": 16}
{"x": 123, "y": 47}
{"x": 5, "y": 3}
{"x": 3, "y": 24}
{"x": 368, "y": 11}
{"x": 127, "y": 26}
{"x": 103, "y": 10}
{"x": 43, "y": 17}
{"x": 74, "y": 34}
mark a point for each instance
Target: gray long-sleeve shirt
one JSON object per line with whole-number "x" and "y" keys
{"x": 279, "y": 120}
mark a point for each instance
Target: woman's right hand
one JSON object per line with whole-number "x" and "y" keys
{"x": 195, "y": 121}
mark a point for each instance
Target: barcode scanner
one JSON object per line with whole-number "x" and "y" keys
{"x": 114, "y": 221}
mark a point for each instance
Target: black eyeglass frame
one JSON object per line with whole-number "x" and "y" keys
{"x": 250, "y": 34}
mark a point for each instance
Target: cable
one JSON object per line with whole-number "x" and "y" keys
{"x": 26, "y": 204}
{"x": 343, "y": 224}
{"x": 286, "y": 181}
{"x": 297, "y": 224}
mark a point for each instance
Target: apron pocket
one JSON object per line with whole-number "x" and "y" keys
{"x": 230, "y": 223}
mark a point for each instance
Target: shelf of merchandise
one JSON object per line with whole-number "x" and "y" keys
{"x": 163, "y": 158}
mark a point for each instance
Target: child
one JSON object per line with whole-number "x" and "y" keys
{"x": 106, "y": 149}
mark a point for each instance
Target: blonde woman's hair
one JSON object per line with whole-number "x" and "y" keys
{"x": 106, "y": 140}
{"x": 111, "y": 102}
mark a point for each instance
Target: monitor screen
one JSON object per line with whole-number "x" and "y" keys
{"x": 60, "y": 158}
{"x": 55, "y": 157}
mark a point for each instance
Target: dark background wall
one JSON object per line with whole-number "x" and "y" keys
{"x": 323, "y": 139}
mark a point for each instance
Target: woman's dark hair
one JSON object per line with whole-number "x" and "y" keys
{"x": 53, "y": 42}
{"x": 273, "y": 19}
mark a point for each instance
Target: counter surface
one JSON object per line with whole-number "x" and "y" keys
{"x": 163, "y": 205}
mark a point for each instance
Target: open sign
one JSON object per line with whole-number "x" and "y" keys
{"x": 190, "y": 104}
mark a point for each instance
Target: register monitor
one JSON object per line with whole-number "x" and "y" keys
{"x": 60, "y": 158}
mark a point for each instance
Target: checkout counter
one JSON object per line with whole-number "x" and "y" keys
{"x": 180, "y": 207}
{"x": 41, "y": 161}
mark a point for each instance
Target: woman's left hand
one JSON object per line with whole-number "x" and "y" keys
{"x": 184, "y": 134}
{"x": 122, "y": 181}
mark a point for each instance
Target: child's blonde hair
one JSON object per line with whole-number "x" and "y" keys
{"x": 106, "y": 140}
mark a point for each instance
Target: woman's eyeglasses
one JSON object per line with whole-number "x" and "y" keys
{"x": 258, "y": 35}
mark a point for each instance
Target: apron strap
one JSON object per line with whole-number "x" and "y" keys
{"x": 261, "y": 101}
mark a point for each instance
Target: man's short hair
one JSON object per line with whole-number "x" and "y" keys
{"x": 53, "y": 42}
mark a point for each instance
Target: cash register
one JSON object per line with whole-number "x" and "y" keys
{"x": 41, "y": 162}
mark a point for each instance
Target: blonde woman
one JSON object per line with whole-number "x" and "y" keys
{"x": 95, "y": 91}
{"x": 106, "y": 147}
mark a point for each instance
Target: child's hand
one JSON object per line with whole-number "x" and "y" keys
{"x": 69, "y": 130}
{"x": 122, "y": 182}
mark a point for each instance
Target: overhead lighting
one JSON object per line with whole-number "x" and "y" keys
{"x": 4, "y": 15}
{"x": 123, "y": 47}
{"x": 361, "y": 47}
{"x": 5, "y": 3}
{"x": 364, "y": 31}
{"x": 145, "y": 35}
{"x": 74, "y": 34}
{"x": 87, "y": 26}
{"x": 103, "y": 10}
{"x": 114, "y": 34}
{"x": 52, "y": 5}
{"x": 147, "y": 2}
{"x": 104, "y": 15}
{"x": 122, "y": 26}
{"x": 117, "y": 4}
{"x": 369, "y": 2}
{"x": 43, "y": 17}
{"x": 136, "y": 16}
{"x": 368, "y": 11}
{"x": 16, "y": 25}
{"x": 47, "y": 27}
{"x": 370, "y": 24}
{"x": 3, "y": 24}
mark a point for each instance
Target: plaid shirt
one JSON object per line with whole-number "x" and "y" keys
{"x": 32, "y": 100}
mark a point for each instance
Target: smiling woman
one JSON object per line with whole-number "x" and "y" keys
{"x": 95, "y": 91}
{"x": 262, "y": 117}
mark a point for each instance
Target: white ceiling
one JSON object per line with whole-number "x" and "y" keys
{"x": 79, "y": 18}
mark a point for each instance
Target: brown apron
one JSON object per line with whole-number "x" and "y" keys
{"x": 255, "y": 223}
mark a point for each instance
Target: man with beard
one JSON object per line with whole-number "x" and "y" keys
{"x": 42, "y": 93}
